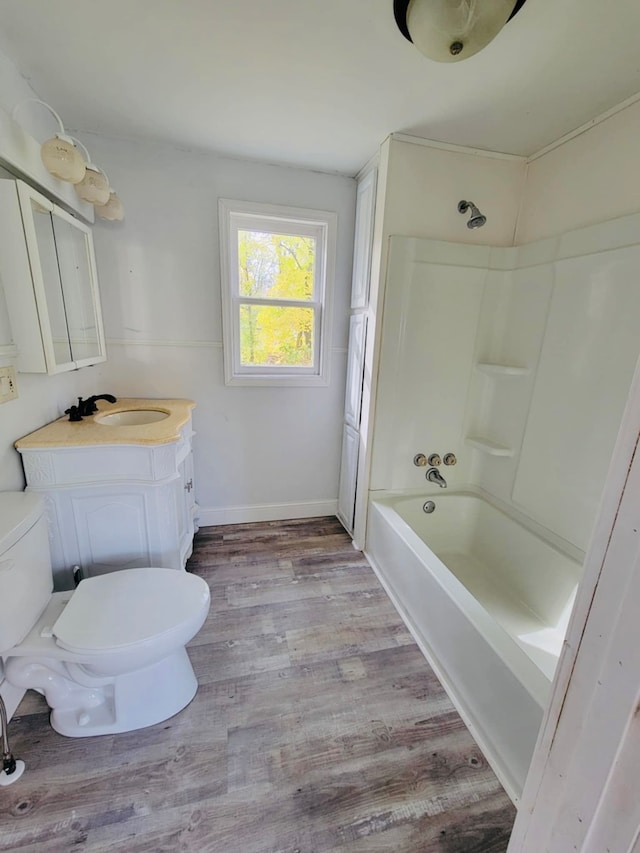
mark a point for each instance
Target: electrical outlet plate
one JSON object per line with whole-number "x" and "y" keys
{"x": 8, "y": 384}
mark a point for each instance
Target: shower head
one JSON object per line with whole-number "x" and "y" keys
{"x": 477, "y": 219}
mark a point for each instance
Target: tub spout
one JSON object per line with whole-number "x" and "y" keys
{"x": 434, "y": 476}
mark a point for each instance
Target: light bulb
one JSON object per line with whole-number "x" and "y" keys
{"x": 113, "y": 210}
{"x": 94, "y": 187}
{"x": 62, "y": 159}
{"x": 451, "y": 30}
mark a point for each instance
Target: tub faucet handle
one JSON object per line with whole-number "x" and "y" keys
{"x": 434, "y": 476}
{"x": 420, "y": 460}
{"x": 434, "y": 459}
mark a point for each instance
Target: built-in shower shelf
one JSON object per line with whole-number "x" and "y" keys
{"x": 486, "y": 445}
{"x": 501, "y": 369}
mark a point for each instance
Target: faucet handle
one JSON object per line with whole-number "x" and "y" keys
{"x": 74, "y": 413}
{"x": 434, "y": 459}
{"x": 86, "y": 407}
{"x": 420, "y": 460}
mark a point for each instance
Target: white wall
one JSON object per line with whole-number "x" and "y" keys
{"x": 426, "y": 182}
{"x": 259, "y": 452}
{"x": 14, "y": 88}
{"x": 590, "y": 178}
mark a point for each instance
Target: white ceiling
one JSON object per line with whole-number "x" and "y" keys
{"x": 317, "y": 83}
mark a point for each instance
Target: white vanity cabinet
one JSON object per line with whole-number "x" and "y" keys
{"x": 116, "y": 507}
{"x": 50, "y": 282}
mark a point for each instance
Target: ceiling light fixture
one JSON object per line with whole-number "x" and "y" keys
{"x": 451, "y": 30}
{"x": 94, "y": 187}
{"x": 60, "y": 156}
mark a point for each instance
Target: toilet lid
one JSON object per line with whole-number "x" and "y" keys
{"x": 128, "y": 607}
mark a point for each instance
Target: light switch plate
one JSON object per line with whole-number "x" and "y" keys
{"x": 8, "y": 384}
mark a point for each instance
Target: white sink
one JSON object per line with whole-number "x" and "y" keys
{"x": 133, "y": 417}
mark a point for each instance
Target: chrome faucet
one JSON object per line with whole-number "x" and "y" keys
{"x": 434, "y": 476}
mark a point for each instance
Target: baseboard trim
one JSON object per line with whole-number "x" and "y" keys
{"x": 211, "y": 517}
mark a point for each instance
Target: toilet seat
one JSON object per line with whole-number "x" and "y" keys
{"x": 130, "y": 608}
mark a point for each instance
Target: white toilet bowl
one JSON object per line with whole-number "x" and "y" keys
{"x": 108, "y": 656}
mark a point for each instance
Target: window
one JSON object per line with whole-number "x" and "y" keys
{"x": 277, "y": 268}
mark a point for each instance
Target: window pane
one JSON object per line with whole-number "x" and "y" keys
{"x": 275, "y": 266}
{"x": 271, "y": 336}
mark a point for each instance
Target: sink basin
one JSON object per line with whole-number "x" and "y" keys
{"x": 134, "y": 417}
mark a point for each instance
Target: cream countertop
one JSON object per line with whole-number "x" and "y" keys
{"x": 88, "y": 432}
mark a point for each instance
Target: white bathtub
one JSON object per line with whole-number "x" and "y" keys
{"x": 488, "y": 601}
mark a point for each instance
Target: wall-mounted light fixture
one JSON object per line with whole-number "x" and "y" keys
{"x": 451, "y": 30}
{"x": 94, "y": 187}
{"x": 60, "y": 156}
{"x": 62, "y": 159}
{"x": 113, "y": 210}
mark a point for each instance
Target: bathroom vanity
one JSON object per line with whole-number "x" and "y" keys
{"x": 118, "y": 487}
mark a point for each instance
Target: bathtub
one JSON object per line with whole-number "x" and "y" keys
{"x": 488, "y": 601}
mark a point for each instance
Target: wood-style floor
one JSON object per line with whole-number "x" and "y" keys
{"x": 318, "y": 727}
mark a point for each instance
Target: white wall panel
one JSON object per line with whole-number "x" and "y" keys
{"x": 510, "y": 332}
{"x": 426, "y": 183}
{"x": 431, "y": 315}
{"x": 589, "y": 179}
{"x": 588, "y": 357}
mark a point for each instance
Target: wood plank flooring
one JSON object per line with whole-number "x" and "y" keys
{"x": 318, "y": 727}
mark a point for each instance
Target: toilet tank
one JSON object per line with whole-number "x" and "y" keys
{"x": 26, "y": 580}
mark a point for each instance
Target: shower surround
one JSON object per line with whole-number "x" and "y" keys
{"x": 519, "y": 361}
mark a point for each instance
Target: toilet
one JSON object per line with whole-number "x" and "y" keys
{"x": 108, "y": 656}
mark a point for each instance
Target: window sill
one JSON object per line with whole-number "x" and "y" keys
{"x": 257, "y": 380}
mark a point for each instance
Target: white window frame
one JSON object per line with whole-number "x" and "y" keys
{"x": 235, "y": 216}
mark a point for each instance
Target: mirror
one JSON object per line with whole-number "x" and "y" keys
{"x": 43, "y": 224}
{"x": 48, "y": 271}
{"x": 74, "y": 260}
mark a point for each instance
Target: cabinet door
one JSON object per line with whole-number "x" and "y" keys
{"x": 50, "y": 283}
{"x": 111, "y": 529}
{"x": 365, "y": 210}
{"x": 348, "y": 477}
{"x": 190, "y": 488}
{"x": 78, "y": 279}
{"x": 47, "y": 284}
{"x": 355, "y": 369}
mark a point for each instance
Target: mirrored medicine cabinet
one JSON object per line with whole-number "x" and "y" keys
{"x": 48, "y": 272}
